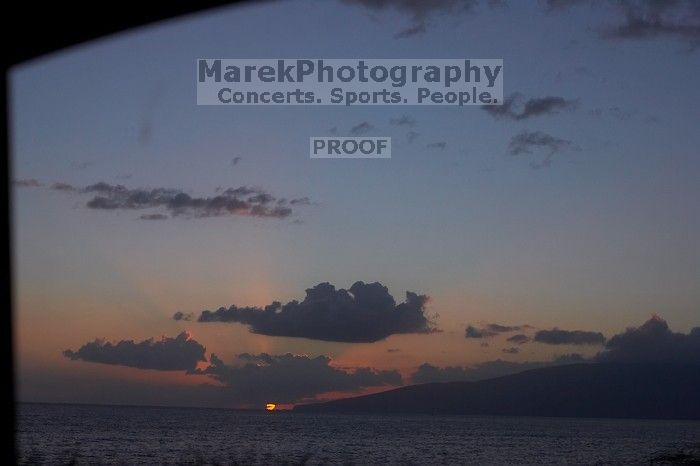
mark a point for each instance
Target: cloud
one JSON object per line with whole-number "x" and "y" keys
{"x": 82, "y": 165}
{"x": 411, "y": 136}
{"x": 419, "y": 11}
{"x": 428, "y": 373}
{"x": 363, "y": 313}
{"x": 167, "y": 354}
{"x": 490, "y": 330}
{"x": 404, "y": 120}
{"x": 153, "y": 217}
{"x": 65, "y": 187}
{"x": 557, "y": 336}
{"x": 439, "y": 145}
{"x": 473, "y": 332}
{"x": 28, "y": 183}
{"x": 646, "y": 19}
{"x": 245, "y": 201}
{"x": 510, "y": 350}
{"x": 514, "y": 108}
{"x": 361, "y": 128}
{"x": 653, "y": 341}
{"x": 288, "y": 378}
{"x": 416, "y": 29}
{"x": 186, "y": 316}
{"x": 615, "y": 112}
{"x": 527, "y": 141}
{"x": 556, "y": 5}
{"x": 649, "y": 19}
{"x": 520, "y": 339}
{"x": 236, "y": 160}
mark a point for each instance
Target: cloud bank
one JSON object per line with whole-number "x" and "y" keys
{"x": 289, "y": 378}
{"x": 557, "y": 336}
{"x": 653, "y": 341}
{"x": 428, "y": 373}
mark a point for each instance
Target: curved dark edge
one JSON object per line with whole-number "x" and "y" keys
{"x": 34, "y": 29}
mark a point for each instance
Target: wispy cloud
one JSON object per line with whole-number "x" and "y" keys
{"x": 515, "y": 107}
{"x": 361, "y": 128}
{"x": 243, "y": 201}
{"x": 438, "y": 145}
{"x": 649, "y": 19}
{"x": 419, "y": 11}
{"x": 28, "y": 183}
{"x": 526, "y": 142}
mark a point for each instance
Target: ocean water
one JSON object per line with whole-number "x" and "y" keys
{"x": 84, "y": 434}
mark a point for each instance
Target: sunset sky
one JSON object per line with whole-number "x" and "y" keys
{"x": 579, "y": 212}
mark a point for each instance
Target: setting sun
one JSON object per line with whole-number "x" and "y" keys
{"x": 270, "y": 407}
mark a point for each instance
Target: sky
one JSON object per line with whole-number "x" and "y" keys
{"x": 567, "y": 217}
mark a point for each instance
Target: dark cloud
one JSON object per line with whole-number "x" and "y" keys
{"x": 653, "y": 342}
{"x": 439, "y": 145}
{"x": 244, "y": 201}
{"x": 515, "y": 107}
{"x": 473, "y": 332}
{"x": 510, "y": 350}
{"x": 419, "y": 11}
{"x": 428, "y": 373}
{"x": 259, "y": 378}
{"x": 28, "y": 183}
{"x": 649, "y": 19}
{"x": 520, "y": 339}
{"x": 490, "y": 330}
{"x": 528, "y": 141}
{"x": 361, "y": 128}
{"x": 180, "y": 353}
{"x": 69, "y": 188}
{"x": 557, "y": 336}
{"x": 186, "y": 316}
{"x": 363, "y": 313}
{"x": 153, "y": 217}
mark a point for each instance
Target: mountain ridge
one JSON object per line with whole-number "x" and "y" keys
{"x": 600, "y": 390}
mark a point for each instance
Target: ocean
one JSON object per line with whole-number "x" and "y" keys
{"x": 86, "y": 434}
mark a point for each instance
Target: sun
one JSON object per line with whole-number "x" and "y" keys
{"x": 270, "y": 407}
